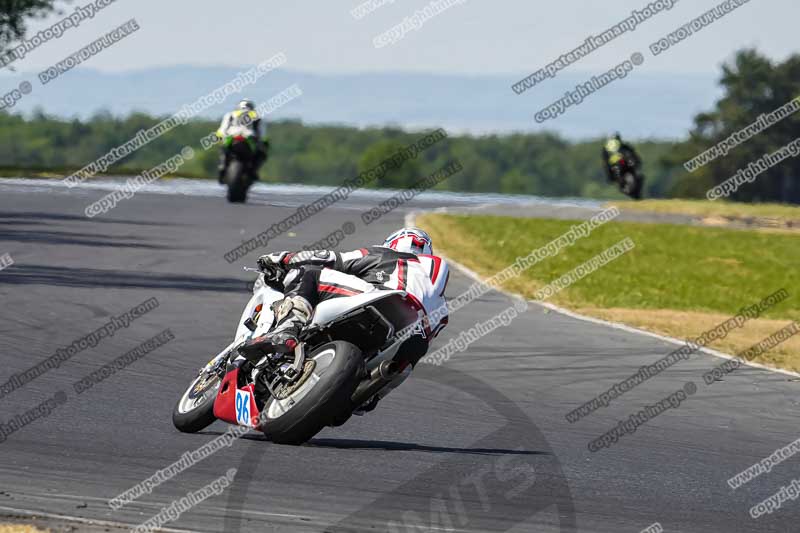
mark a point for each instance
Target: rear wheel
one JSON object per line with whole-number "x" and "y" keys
{"x": 195, "y": 410}
{"x": 236, "y": 178}
{"x": 321, "y": 396}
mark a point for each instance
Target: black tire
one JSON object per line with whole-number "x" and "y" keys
{"x": 631, "y": 185}
{"x": 636, "y": 186}
{"x": 235, "y": 177}
{"x": 626, "y": 183}
{"x": 341, "y": 419}
{"x": 327, "y": 400}
{"x": 202, "y": 414}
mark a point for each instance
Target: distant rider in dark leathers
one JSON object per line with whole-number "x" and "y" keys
{"x": 615, "y": 149}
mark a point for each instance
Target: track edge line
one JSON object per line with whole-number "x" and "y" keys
{"x": 81, "y": 520}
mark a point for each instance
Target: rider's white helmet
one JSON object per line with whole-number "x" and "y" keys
{"x": 246, "y": 105}
{"x": 411, "y": 240}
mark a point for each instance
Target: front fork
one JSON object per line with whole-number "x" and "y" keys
{"x": 218, "y": 362}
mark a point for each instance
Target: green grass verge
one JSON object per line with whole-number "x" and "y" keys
{"x": 674, "y": 267}
{"x": 678, "y": 280}
{"x": 705, "y": 208}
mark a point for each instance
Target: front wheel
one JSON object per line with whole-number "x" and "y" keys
{"x": 321, "y": 395}
{"x": 635, "y": 185}
{"x": 195, "y": 410}
{"x": 237, "y": 180}
{"x": 632, "y": 185}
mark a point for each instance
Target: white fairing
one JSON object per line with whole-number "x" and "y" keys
{"x": 265, "y": 296}
{"x": 325, "y": 312}
{"x": 330, "y": 309}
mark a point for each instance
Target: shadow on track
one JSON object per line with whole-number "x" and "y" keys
{"x": 355, "y": 444}
{"x": 389, "y": 446}
{"x": 28, "y": 217}
{"x": 74, "y": 239}
{"x": 124, "y": 279}
{"x": 512, "y": 490}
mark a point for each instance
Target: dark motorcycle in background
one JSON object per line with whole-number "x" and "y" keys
{"x": 240, "y": 172}
{"x": 627, "y": 175}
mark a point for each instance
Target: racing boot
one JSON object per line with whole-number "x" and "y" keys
{"x": 291, "y": 314}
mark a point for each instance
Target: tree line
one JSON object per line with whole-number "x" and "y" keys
{"x": 541, "y": 164}
{"x": 536, "y": 163}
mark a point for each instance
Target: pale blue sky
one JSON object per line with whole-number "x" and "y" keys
{"x": 503, "y": 40}
{"x": 475, "y": 37}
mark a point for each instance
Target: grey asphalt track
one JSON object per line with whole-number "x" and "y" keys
{"x": 478, "y": 444}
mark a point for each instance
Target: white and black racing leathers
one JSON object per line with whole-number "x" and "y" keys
{"x": 324, "y": 274}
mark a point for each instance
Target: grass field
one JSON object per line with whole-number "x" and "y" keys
{"x": 678, "y": 280}
{"x": 16, "y": 528}
{"x": 766, "y": 214}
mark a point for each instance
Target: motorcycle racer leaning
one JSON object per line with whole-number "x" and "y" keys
{"x": 405, "y": 262}
{"x": 243, "y": 121}
{"x": 615, "y": 149}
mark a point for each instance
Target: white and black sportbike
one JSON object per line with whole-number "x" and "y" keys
{"x": 350, "y": 351}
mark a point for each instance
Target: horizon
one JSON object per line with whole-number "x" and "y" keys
{"x": 425, "y": 80}
{"x": 513, "y": 38}
{"x": 477, "y": 105}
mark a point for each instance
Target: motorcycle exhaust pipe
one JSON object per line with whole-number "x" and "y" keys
{"x": 387, "y": 370}
{"x": 378, "y": 379}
